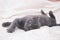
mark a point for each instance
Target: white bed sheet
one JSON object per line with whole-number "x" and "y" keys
{"x": 28, "y": 7}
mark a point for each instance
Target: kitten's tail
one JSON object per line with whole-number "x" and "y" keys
{"x": 6, "y": 24}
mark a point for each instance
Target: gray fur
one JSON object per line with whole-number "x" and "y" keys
{"x": 33, "y": 22}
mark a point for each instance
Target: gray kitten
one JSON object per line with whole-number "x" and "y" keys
{"x": 31, "y": 22}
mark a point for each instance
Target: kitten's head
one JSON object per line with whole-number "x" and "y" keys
{"x": 52, "y": 20}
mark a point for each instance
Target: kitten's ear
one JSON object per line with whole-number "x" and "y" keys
{"x": 51, "y": 14}
{"x": 42, "y": 12}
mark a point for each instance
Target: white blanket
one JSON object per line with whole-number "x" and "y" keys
{"x": 19, "y": 8}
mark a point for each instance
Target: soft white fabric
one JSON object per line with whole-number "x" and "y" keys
{"x": 14, "y": 7}
{"x": 11, "y": 9}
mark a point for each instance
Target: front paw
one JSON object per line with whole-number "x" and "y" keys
{"x": 10, "y": 30}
